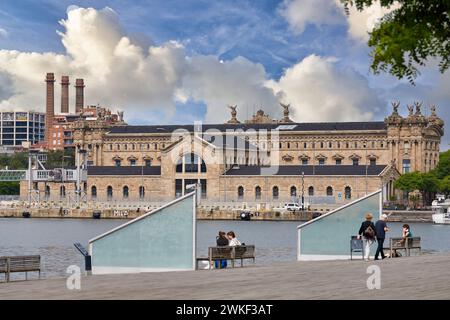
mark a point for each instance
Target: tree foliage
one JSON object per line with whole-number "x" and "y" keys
{"x": 409, "y": 35}
{"x": 9, "y": 188}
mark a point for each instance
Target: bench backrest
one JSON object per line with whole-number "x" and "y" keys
{"x": 242, "y": 252}
{"x": 221, "y": 252}
{"x": 3, "y": 264}
{"x": 414, "y": 242}
{"x": 411, "y": 242}
{"x": 24, "y": 263}
{"x": 356, "y": 244}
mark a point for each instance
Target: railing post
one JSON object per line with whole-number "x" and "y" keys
{"x": 8, "y": 268}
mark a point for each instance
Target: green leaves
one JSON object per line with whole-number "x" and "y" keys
{"x": 408, "y": 36}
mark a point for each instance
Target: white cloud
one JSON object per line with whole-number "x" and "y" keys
{"x": 319, "y": 91}
{"x": 120, "y": 73}
{"x": 300, "y": 13}
{"x": 3, "y": 32}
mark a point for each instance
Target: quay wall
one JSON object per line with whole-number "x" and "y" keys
{"x": 202, "y": 214}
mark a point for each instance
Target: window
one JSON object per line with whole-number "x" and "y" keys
{"x": 110, "y": 147}
{"x": 191, "y": 163}
{"x": 329, "y": 191}
{"x": 305, "y": 145}
{"x": 178, "y": 188}
{"x": 355, "y": 161}
{"x": 179, "y": 167}
{"x": 240, "y": 192}
{"x": 258, "y": 193}
{"x": 47, "y": 192}
{"x": 132, "y": 162}
{"x": 356, "y": 145}
{"x": 304, "y": 162}
{"x": 125, "y": 147}
{"x": 141, "y": 192}
{"x": 109, "y": 192}
{"x": 118, "y": 147}
{"x": 407, "y": 165}
{"x": 62, "y": 191}
{"x": 203, "y": 193}
{"x": 321, "y": 145}
{"x": 338, "y": 144}
{"x": 125, "y": 192}
{"x": 347, "y": 145}
{"x": 348, "y": 192}
{"x": 373, "y": 161}
{"x": 275, "y": 193}
{"x": 293, "y": 191}
{"x": 117, "y": 162}
{"x": 148, "y": 162}
{"x": 311, "y": 191}
{"x": 321, "y": 162}
{"x": 94, "y": 192}
{"x": 330, "y": 145}
{"x": 338, "y": 162}
{"x": 288, "y": 145}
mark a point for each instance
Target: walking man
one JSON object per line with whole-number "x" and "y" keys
{"x": 380, "y": 229}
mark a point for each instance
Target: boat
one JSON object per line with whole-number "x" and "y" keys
{"x": 441, "y": 213}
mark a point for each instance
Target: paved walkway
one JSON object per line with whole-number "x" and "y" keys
{"x": 420, "y": 277}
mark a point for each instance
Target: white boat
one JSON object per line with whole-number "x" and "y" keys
{"x": 441, "y": 213}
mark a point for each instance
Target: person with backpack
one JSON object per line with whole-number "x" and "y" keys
{"x": 367, "y": 231}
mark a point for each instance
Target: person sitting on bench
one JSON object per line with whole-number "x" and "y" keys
{"x": 221, "y": 241}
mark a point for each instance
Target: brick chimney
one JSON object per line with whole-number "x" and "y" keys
{"x": 50, "y": 105}
{"x": 79, "y": 95}
{"x": 65, "y": 94}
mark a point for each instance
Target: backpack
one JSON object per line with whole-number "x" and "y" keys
{"x": 369, "y": 233}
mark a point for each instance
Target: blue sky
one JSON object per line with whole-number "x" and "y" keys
{"x": 227, "y": 29}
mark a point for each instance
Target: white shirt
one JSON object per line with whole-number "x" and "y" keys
{"x": 234, "y": 242}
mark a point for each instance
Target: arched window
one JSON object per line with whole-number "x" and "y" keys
{"x": 275, "y": 192}
{"x": 258, "y": 192}
{"x": 141, "y": 192}
{"x": 348, "y": 192}
{"x": 109, "y": 192}
{"x": 62, "y": 191}
{"x": 311, "y": 191}
{"x": 293, "y": 191}
{"x": 93, "y": 192}
{"x": 329, "y": 191}
{"x": 179, "y": 167}
{"x": 125, "y": 192}
{"x": 240, "y": 192}
{"x": 47, "y": 192}
{"x": 190, "y": 163}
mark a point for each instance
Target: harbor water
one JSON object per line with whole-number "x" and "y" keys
{"x": 53, "y": 239}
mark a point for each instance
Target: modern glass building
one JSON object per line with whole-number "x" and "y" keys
{"x": 17, "y": 127}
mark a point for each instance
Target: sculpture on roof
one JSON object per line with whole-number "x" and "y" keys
{"x": 285, "y": 112}
{"x": 233, "y": 114}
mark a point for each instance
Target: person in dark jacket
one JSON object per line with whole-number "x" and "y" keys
{"x": 221, "y": 240}
{"x": 380, "y": 229}
{"x": 367, "y": 231}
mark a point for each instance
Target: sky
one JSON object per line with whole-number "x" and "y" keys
{"x": 178, "y": 61}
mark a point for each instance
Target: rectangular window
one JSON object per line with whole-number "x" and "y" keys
{"x": 321, "y": 162}
{"x": 373, "y": 162}
{"x": 355, "y": 162}
{"x": 178, "y": 188}
{"x": 304, "y": 162}
{"x": 338, "y": 162}
{"x": 407, "y": 165}
{"x": 132, "y": 162}
{"x": 117, "y": 162}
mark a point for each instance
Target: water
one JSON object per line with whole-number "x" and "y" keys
{"x": 274, "y": 240}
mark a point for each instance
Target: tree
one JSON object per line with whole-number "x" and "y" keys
{"x": 409, "y": 182}
{"x": 430, "y": 185}
{"x": 408, "y": 36}
{"x": 9, "y": 188}
{"x": 444, "y": 185}
{"x": 443, "y": 168}
{"x": 19, "y": 161}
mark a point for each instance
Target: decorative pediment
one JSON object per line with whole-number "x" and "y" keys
{"x": 287, "y": 157}
{"x": 372, "y": 156}
{"x": 131, "y": 158}
{"x": 320, "y": 157}
{"x": 338, "y": 157}
{"x": 147, "y": 158}
{"x": 355, "y": 156}
{"x": 304, "y": 157}
{"x": 116, "y": 157}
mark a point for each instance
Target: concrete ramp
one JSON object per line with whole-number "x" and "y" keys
{"x": 328, "y": 236}
{"x": 161, "y": 240}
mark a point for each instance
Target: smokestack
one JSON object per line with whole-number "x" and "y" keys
{"x": 65, "y": 94}
{"x": 50, "y": 105}
{"x": 79, "y": 95}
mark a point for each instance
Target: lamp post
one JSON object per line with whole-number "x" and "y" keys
{"x": 303, "y": 190}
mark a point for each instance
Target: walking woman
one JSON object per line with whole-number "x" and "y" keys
{"x": 221, "y": 240}
{"x": 367, "y": 231}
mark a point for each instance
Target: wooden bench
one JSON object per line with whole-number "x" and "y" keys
{"x": 25, "y": 264}
{"x": 404, "y": 244}
{"x": 229, "y": 253}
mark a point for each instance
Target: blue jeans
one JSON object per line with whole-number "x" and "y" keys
{"x": 223, "y": 264}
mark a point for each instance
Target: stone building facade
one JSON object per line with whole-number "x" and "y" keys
{"x": 257, "y": 160}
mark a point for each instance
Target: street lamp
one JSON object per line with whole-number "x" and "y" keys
{"x": 303, "y": 190}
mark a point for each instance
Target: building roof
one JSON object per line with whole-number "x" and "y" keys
{"x": 124, "y": 170}
{"x": 311, "y": 126}
{"x": 309, "y": 170}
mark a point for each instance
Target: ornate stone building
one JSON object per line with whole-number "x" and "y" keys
{"x": 257, "y": 160}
